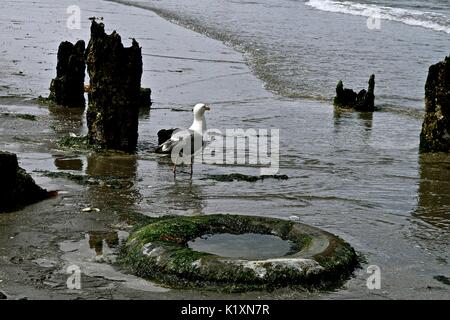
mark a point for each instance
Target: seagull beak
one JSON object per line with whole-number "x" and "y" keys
{"x": 207, "y": 108}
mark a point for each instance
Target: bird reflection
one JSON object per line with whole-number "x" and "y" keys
{"x": 185, "y": 196}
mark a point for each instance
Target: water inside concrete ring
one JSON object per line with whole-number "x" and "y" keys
{"x": 244, "y": 246}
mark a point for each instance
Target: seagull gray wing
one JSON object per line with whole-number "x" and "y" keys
{"x": 179, "y": 139}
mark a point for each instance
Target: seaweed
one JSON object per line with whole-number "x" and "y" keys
{"x": 243, "y": 177}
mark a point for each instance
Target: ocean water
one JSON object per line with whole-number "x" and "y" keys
{"x": 301, "y": 49}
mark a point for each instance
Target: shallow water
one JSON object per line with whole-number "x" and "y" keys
{"x": 245, "y": 246}
{"x": 356, "y": 175}
{"x": 303, "y": 48}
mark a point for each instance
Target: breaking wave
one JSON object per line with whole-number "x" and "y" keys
{"x": 425, "y": 19}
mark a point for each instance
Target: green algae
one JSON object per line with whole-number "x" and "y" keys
{"x": 78, "y": 178}
{"x": 112, "y": 182}
{"x": 77, "y": 143}
{"x": 243, "y": 177}
{"x": 47, "y": 102}
{"x": 23, "y": 116}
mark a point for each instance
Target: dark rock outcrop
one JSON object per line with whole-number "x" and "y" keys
{"x": 67, "y": 89}
{"x": 115, "y": 90}
{"x": 349, "y": 99}
{"x": 164, "y": 135}
{"x": 435, "y": 136}
{"x": 17, "y": 188}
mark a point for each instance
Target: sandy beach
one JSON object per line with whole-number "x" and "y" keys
{"x": 183, "y": 67}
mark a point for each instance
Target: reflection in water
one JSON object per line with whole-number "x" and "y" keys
{"x": 367, "y": 119}
{"x": 341, "y": 117}
{"x": 112, "y": 165}
{"x": 434, "y": 191}
{"x": 431, "y": 219}
{"x": 183, "y": 196}
{"x": 118, "y": 175}
{"x": 101, "y": 241}
{"x": 244, "y": 246}
{"x": 164, "y": 161}
{"x": 75, "y": 164}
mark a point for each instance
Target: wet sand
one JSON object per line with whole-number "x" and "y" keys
{"x": 38, "y": 243}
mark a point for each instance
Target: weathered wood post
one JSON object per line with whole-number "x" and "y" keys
{"x": 435, "y": 136}
{"x": 362, "y": 101}
{"x": 115, "y": 90}
{"x": 67, "y": 89}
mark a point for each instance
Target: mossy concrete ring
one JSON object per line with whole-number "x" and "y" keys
{"x": 159, "y": 252}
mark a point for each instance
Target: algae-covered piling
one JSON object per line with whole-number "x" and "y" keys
{"x": 349, "y": 99}
{"x": 115, "y": 90}
{"x": 435, "y": 136}
{"x": 67, "y": 89}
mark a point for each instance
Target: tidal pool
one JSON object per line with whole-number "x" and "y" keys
{"x": 244, "y": 246}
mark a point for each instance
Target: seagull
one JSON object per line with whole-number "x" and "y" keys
{"x": 187, "y": 141}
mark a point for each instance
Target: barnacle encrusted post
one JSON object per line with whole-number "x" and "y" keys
{"x": 67, "y": 89}
{"x": 435, "y": 136}
{"x": 362, "y": 101}
{"x": 115, "y": 90}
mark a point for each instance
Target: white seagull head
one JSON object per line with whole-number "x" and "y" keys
{"x": 199, "y": 110}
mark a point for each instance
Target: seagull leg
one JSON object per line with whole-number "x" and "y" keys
{"x": 174, "y": 171}
{"x": 192, "y": 166}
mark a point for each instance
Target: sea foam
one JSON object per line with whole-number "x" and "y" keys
{"x": 425, "y": 19}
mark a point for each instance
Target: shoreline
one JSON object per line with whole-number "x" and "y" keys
{"x": 171, "y": 40}
{"x": 277, "y": 83}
